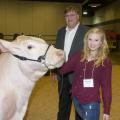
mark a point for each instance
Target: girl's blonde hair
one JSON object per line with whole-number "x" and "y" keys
{"x": 103, "y": 50}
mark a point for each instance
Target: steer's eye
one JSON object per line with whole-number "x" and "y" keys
{"x": 30, "y": 47}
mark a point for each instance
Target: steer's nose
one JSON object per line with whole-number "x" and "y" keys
{"x": 60, "y": 53}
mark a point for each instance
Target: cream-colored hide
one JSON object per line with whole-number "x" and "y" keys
{"x": 18, "y": 77}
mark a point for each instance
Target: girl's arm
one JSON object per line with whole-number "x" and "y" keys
{"x": 70, "y": 65}
{"x": 106, "y": 86}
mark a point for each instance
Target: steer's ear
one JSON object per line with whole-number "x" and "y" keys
{"x": 5, "y": 45}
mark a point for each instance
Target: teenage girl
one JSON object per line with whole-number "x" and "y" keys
{"x": 92, "y": 72}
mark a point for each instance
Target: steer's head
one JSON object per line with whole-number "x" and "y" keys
{"x": 34, "y": 52}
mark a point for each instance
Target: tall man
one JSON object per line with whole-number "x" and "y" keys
{"x": 70, "y": 39}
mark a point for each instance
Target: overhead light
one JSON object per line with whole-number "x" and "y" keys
{"x": 85, "y": 12}
{"x": 88, "y": 12}
{"x": 94, "y": 5}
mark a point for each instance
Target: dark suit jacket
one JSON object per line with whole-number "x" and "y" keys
{"x": 77, "y": 44}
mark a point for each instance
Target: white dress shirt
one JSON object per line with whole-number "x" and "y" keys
{"x": 69, "y": 36}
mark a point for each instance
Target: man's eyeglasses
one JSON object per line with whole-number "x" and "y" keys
{"x": 70, "y": 15}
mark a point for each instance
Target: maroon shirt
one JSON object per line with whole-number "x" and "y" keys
{"x": 101, "y": 78}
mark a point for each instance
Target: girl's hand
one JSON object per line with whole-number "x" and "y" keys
{"x": 105, "y": 117}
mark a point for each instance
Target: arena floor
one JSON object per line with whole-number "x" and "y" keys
{"x": 43, "y": 102}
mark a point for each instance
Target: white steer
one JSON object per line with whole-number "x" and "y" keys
{"x": 22, "y": 62}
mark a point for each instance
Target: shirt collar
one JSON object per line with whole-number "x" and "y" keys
{"x": 75, "y": 28}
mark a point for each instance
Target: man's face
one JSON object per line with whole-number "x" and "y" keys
{"x": 72, "y": 19}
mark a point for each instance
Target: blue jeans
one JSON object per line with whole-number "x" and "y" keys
{"x": 87, "y": 111}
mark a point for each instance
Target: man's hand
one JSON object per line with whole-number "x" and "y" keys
{"x": 105, "y": 117}
{"x": 53, "y": 78}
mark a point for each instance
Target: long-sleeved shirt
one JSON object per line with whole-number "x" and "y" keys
{"x": 101, "y": 78}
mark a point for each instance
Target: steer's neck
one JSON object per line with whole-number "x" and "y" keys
{"x": 12, "y": 75}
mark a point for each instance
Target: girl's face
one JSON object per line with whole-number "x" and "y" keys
{"x": 94, "y": 41}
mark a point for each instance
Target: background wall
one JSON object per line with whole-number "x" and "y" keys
{"x": 108, "y": 13}
{"x": 107, "y": 17}
{"x": 31, "y": 17}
